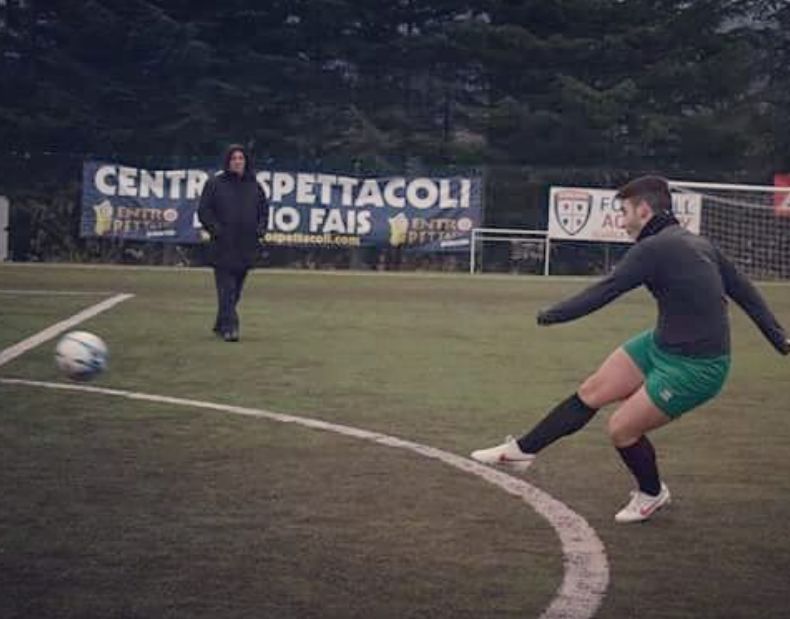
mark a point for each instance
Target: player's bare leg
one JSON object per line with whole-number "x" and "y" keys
{"x": 628, "y": 427}
{"x": 634, "y": 418}
{"x": 616, "y": 379}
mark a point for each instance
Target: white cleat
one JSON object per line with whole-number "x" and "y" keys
{"x": 508, "y": 454}
{"x": 642, "y": 506}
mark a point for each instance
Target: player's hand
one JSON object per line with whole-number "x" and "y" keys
{"x": 785, "y": 349}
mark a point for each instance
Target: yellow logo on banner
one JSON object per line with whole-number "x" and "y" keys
{"x": 399, "y": 228}
{"x": 104, "y": 213}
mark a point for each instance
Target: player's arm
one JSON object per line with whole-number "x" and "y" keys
{"x": 632, "y": 271}
{"x": 744, "y": 293}
{"x": 206, "y": 212}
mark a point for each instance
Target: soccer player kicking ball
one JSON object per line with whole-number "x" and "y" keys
{"x": 658, "y": 375}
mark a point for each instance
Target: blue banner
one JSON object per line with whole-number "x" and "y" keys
{"x": 307, "y": 209}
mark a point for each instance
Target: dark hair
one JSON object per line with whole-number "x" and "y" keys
{"x": 238, "y": 148}
{"x": 654, "y": 190}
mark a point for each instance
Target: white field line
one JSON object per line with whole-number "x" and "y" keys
{"x": 12, "y": 352}
{"x": 52, "y": 293}
{"x": 586, "y": 570}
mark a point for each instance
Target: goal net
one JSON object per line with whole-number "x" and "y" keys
{"x": 506, "y": 250}
{"x": 749, "y": 223}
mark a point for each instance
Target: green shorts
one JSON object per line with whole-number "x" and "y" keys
{"x": 676, "y": 383}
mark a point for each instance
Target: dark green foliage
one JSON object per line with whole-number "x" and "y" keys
{"x": 552, "y": 89}
{"x": 562, "y": 82}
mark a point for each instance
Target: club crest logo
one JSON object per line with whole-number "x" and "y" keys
{"x": 572, "y": 209}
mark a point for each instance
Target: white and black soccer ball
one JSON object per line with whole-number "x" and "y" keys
{"x": 81, "y": 355}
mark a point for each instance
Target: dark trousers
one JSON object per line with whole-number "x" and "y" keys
{"x": 230, "y": 283}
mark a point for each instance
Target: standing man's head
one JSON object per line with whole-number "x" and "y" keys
{"x": 643, "y": 198}
{"x": 236, "y": 160}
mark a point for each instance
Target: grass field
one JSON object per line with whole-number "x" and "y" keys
{"x": 116, "y": 508}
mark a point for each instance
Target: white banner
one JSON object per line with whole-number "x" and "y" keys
{"x": 584, "y": 214}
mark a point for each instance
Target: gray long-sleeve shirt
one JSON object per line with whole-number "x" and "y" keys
{"x": 689, "y": 277}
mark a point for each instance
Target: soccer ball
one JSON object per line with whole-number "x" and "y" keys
{"x": 81, "y": 355}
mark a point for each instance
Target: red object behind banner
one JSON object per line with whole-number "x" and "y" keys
{"x": 782, "y": 198}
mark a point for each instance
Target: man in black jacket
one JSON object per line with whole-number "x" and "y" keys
{"x": 234, "y": 210}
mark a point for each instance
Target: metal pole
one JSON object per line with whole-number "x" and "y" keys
{"x": 472, "y": 246}
{"x": 3, "y": 228}
{"x": 547, "y": 256}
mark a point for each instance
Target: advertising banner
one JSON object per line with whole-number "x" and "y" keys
{"x": 307, "y": 209}
{"x": 585, "y": 214}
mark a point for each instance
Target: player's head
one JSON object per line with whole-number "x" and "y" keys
{"x": 642, "y": 198}
{"x": 236, "y": 160}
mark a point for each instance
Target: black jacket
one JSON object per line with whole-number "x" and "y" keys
{"x": 234, "y": 210}
{"x": 689, "y": 277}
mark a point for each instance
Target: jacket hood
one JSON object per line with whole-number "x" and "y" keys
{"x": 248, "y": 171}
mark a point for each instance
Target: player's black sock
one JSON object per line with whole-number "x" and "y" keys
{"x": 566, "y": 418}
{"x": 640, "y": 458}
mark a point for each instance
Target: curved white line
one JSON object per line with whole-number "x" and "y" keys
{"x": 586, "y": 568}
